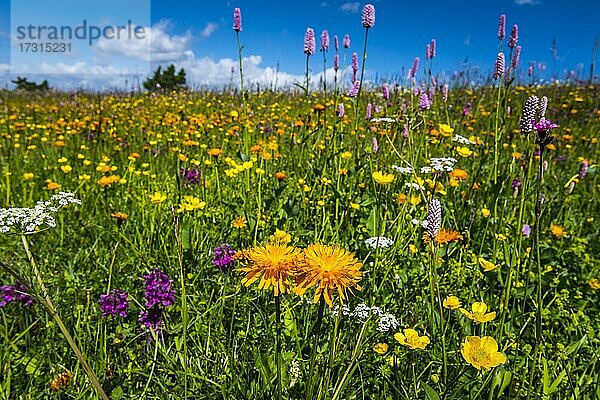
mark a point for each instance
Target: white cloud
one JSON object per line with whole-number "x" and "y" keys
{"x": 156, "y": 46}
{"x": 526, "y": 2}
{"x": 209, "y": 29}
{"x": 119, "y": 63}
{"x": 351, "y": 7}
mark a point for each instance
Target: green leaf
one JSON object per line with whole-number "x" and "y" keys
{"x": 117, "y": 393}
{"x": 431, "y": 394}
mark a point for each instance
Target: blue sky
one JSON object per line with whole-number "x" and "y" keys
{"x": 201, "y": 40}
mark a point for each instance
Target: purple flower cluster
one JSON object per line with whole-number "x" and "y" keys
{"x": 14, "y": 294}
{"x": 237, "y": 19}
{"x": 502, "y": 27}
{"x": 309, "y": 42}
{"x": 191, "y": 175}
{"x": 354, "y": 66}
{"x": 424, "y": 102}
{"x": 346, "y": 41}
{"x": 158, "y": 289}
{"x": 467, "y": 109}
{"x": 151, "y": 318}
{"x": 223, "y": 257}
{"x": 114, "y": 303}
{"x": 368, "y": 16}
{"x": 353, "y": 91}
{"x": 415, "y": 67}
{"x": 324, "y": 40}
{"x": 514, "y": 36}
{"x": 499, "y": 66}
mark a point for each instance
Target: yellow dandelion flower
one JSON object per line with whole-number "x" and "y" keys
{"x": 459, "y": 174}
{"x": 240, "y": 222}
{"x": 478, "y": 313}
{"x": 380, "y": 348}
{"x": 410, "y": 338}
{"x": 274, "y": 264}
{"x": 332, "y": 268}
{"x": 120, "y": 216}
{"x": 558, "y": 231}
{"x": 28, "y": 176}
{"x": 452, "y": 302}
{"x": 383, "y": 179}
{"x": 487, "y": 265}
{"x": 482, "y": 352}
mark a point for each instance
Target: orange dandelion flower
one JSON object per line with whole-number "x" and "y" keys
{"x": 332, "y": 268}
{"x": 215, "y": 152}
{"x": 274, "y": 264}
{"x": 445, "y": 236}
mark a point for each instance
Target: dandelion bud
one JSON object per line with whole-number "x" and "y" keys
{"x": 502, "y": 27}
{"x": 432, "y": 49}
{"x": 514, "y": 36}
{"x": 415, "y": 67}
{"x": 309, "y": 42}
{"x": 237, "y": 20}
{"x": 368, "y": 16}
{"x": 516, "y": 56}
{"x": 346, "y": 41}
{"x": 336, "y": 43}
{"x": 499, "y": 66}
{"x": 434, "y": 218}
{"x": 543, "y": 106}
{"x": 353, "y": 92}
{"x": 324, "y": 40}
{"x": 529, "y": 114}
{"x": 374, "y": 145}
{"x": 336, "y": 62}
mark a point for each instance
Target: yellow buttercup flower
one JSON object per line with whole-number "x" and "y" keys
{"x": 411, "y": 338}
{"x": 383, "y": 179}
{"x": 191, "y": 203}
{"x": 28, "y": 175}
{"x": 487, "y": 265}
{"x": 594, "y": 283}
{"x": 332, "y": 269}
{"x": 157, "y": 198}
{"x": 66, "y": 168}
{"x": 380, "y": 348}
{"x": 478, "y": 313}
{"x": 446, "y": 130}
{"x": 452, "y": 302}
{"x": 482, "y": 352}
{"x": 463, "y": 151}
{"x": 280, "y": 237}
{"x": 485, "y": 212}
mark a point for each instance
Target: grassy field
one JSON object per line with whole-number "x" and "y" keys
{"x": 300, "y": 196}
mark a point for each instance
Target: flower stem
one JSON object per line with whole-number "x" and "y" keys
{"x": 49, "y": 306}
{"x": 278, "y": 345}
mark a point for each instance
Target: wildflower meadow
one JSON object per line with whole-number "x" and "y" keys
{"x": 342, "y": 239}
